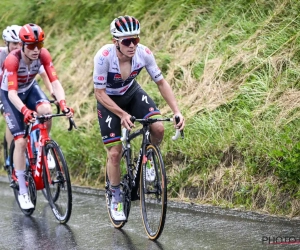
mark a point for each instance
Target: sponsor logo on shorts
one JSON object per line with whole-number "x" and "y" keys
{"x": 112, "y": 135}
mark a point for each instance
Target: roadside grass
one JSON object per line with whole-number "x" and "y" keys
{"x": 234, "y": 67}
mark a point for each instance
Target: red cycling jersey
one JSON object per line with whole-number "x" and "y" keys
{"x": 19, "y": 76}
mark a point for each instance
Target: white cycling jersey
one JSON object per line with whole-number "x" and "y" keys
{"x": 107, "y": 74}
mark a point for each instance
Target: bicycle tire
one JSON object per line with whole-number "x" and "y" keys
{"x": 29, "y": 181}
{"x": 153, "y": 195}
{"x": 126, "y": 193}
{"x": 5, "y": 153}
{"x": 59, "y": 189}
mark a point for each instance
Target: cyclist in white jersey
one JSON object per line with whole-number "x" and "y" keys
{"x": 10, "y": 36}
{"x": 119, "y": 96}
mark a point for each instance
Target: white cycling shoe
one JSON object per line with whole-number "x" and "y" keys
{"x": 117, "y": 212}
{"x": 150, "y": 171}
{"x": 24, "y": 201}
{"x": 51, "y": 161}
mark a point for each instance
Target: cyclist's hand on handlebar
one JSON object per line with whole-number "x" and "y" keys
{"x": 29, "y": 115}
{"x": 180, "y": 125}
{"x": 126, "y": 122}
{"x": 66, "y": 110}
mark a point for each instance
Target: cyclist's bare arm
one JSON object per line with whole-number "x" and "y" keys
{"x": 108, "y": 103}
{"x": 58, "y": 90}
{"x": 47, "y": 82}
{"x": 167, "y": 93}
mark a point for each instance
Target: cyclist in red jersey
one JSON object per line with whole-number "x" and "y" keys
{"x": 119, "y": 96}
{"x": 22, "y": 97}
{"x": 10, "y": 36}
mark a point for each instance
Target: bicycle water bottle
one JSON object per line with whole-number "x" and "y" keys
{"x": 34, "y": 138}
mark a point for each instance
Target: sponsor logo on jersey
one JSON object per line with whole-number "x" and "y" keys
{"x": 124, "y": 89}
{"x": 148, "y": 51}
{"x": 158, "y": 75}
{"x": 105, "y": 52}
{"x": 101, "y": 60}
{"x": 100, "y": 78}
{"x": 54, "y": 73}
{"x": 10, "y": 83}
{"x": 134, "y": 74}
{"x": 117, "y": 77}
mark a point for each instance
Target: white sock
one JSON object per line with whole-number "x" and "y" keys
{"x": 21, "y": 179}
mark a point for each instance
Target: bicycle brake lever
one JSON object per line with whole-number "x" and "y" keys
{"x": 177, "y": 120}
{"x": 72, "y": 124}
{"x": 27, "y": 129}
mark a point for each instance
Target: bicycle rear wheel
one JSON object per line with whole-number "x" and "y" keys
{"x": 153, "y": 194}
{"x": 57, "y": 182}
{"x": 126, "y": 193}
{"x": 15, "y": 185}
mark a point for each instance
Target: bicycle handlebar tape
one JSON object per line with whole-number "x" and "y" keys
{"x": 177, "y": 120}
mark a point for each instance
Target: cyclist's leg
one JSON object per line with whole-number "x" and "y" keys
{"x": 14, "y": 120}
{"x": 142, "y": 106}
{"x": 9, "y": 137}
{"x": 111, "y": 133}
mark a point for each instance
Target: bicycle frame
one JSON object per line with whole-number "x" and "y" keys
{"x": 36, "y": 161}
{"x": 134, "y": 169}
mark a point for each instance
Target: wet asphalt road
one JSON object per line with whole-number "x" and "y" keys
{"x": 187, "y": 227}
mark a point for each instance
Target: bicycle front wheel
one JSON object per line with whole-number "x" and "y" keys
{"x": 57, "y": 182}
{"x": 153, "y": 193}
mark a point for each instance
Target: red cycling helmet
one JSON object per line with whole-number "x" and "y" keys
{"x": 31, "y": 33}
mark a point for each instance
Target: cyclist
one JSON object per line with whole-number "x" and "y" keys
{"x": 10, "y": 36}
{"x": 22, "y": 97}
{"x": 119, "y": 96}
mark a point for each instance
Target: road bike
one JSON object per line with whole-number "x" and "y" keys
{"x": 46, "y": 169}
{"x": 134, "y": 184}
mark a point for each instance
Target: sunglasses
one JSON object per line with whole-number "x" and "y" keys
{"x": 32, "y": 46}
{"x": 127, "y": 41}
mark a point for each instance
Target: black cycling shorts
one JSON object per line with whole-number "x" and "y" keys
{"x": 135, "y": 102}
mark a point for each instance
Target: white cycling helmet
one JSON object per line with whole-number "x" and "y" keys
{"x": 11, "y": 33}
{"x": 125, "y": 26}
